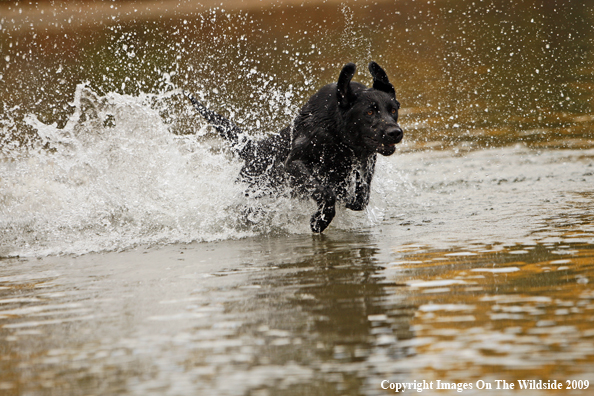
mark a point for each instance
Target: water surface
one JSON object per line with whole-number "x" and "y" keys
{"x": 128, "y": 264}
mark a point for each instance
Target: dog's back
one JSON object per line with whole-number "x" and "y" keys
{"x": 264, "y": 163}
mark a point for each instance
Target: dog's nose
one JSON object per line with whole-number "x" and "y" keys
{"x": 395, "y": 133}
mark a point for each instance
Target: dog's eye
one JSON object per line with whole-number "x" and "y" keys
{"x": 393, "y": 111}
{"x": 369, "y": 112}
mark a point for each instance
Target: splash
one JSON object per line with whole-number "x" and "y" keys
{"x": 117, "y": 176}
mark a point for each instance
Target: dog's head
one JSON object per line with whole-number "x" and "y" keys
{"x": 370, "y": 114}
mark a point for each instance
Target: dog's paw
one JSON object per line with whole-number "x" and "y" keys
{"x": 322, "y": 218}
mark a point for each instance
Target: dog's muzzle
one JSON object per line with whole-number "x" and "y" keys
{"x": 391, "y": 136}
{"x": 394, "y": 134}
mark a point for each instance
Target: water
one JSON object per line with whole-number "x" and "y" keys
{"x": 132, "y": 263}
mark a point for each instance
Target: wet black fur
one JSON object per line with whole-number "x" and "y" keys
{"x": 329, "y": 153}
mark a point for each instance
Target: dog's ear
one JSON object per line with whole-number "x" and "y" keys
{"x": 380, "y": 79}
{"x": 344, "y": 92}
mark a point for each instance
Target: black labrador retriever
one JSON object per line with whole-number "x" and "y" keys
{"x": 329, "y": 153}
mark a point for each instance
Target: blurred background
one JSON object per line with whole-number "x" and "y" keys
{"x": 469, "y": 73}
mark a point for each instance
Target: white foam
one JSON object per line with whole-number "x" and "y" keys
{"x": 116, "y": 176}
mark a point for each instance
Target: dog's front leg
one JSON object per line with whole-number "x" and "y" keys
{"x": 326, "y": 201}
{"x": 361, "y": 198}
{"x": 362, "y": 185}
{"x": 324, "y": 196}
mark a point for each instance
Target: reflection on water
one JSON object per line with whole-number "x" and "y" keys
{"x": 330, "y": 315}
{"x": 519, "y": 311}
{"x": 472, "y": 262}
{"x": 308, "y": 316}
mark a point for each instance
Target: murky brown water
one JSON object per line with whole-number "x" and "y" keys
{"x": 327, "y": 315}
{"x": 470, "y": 74}
{"x": 124, "y": 268}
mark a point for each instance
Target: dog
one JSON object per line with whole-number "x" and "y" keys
{"x": 330, "y": 151}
